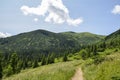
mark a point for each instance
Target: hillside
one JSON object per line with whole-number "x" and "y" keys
{"x": 108, "y": 68}
{"x": 105, "y": 64}
{"x": 57, "y": 71}
{"x": 113, "y": 35}
{"x": 113, "y": 40}
{"x": 39, "y": 41}
{"x": 103, "y": 67}
{"x": 47, "y": 42}
{"x": 84, "y": 38}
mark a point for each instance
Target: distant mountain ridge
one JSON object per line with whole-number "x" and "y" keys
{"x": 113, "y": 39}
{"x": 43, "y": 41}
{"x": 113, "y": 35}
{"x": 84, "y": 38}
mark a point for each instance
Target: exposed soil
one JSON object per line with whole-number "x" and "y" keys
{"x": 78, "y": 75}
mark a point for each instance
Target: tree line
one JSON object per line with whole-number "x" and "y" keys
{"x": 13, "y": 63}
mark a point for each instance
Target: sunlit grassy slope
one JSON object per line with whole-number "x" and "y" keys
{"x": 108, "y": 69}
{"x": 57, "y": 71}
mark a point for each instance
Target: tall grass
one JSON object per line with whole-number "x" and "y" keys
{"x": 57, "y": 71}
{"x": 109, "y": 69}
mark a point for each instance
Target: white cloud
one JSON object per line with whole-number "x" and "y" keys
{"x": 74, "y": 22}
{"x": 57, "y": 12}
{"x": 116, "y": 9}
{"x": 35, "y": 19}
{"x": 4, "y": 35}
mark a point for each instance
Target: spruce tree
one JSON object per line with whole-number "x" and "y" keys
{"x": 52, "y": 58}
{"x": 84, "y": 54}
{"x": 35, "y": 64}
{"x": 48, "y": 59}
{"x": 19, "y": 66}
{"x": 95, "y": 50}
{"x": 13, "y": 62}
{"x": 1, "y": 67}
{"x": 43, "y": 62}
{"x": 24, "y": 65}
{"x": 65, "y": 58}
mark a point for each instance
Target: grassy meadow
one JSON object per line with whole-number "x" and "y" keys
{"x": 57, "y": 71}
{"x": 105, "y": 66}
{"x": 108, "y": 69}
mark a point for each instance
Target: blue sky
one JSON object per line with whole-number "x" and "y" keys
{"x": 96, "y": 16}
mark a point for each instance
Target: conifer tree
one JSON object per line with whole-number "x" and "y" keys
{"x": 43, "y": 62}
{"x": 13, "y": 62}
{"x": 51, "y": 58}
{"x": 1, "y": 67}
{"x": 84, "y": 54}
{"x": 95, "y": 50}
{"x": 25, "y": 65}
{"x": 65, "y": 58}
{"x": 35, "y": 64}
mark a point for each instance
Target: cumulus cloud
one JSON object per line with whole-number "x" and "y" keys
{"x": 53, "y": 10}
{"x": 4, "y": 35}
{"x": 35, "y": 19}
{"x": 116, "y": 9}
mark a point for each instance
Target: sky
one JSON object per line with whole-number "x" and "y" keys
{"x": 95, "y": 16}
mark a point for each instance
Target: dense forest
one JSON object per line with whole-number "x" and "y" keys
{"x": 40, "y": 47}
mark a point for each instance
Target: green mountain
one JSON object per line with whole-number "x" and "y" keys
{"x": 115, "y": 35}
{"x": 42, "y": 41}
{"x": 113, "y": 40}
{"x": 84, "y": 38}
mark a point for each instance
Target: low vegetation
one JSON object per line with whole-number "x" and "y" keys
{"x": 57, "y": 71}
{"x": 105, "y": 67}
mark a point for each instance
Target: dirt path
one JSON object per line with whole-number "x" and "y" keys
{"x": 78, "y": 75}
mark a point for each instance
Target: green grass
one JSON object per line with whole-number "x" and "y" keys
{"x": 109, "y": 69}
{"x": 57, "y": 71}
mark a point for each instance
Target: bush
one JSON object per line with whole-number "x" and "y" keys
{"x": 65, "y": 58}
{"x": 98, "y": 59}
{"x": 115, "y": 77}
{"x": 8, "y": 71}
{"x": 84, "y": 54}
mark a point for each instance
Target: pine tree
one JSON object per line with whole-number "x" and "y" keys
{"x": 19, "y": 66}
{"x": 13, "y": 62}
{"x": 0, "y": 71}
{"x": 65, "y": 58}
{"x": 9, "y": 70}
{"x": 84, "y": 54}
{"x": 1, "y": 68}
{"x": 48, "y": 59}
{"x": 24, "y": 65}
{"x": 104, "y": 45}
{"x": 43, "y": 62}
{"x": 35, "y": 64}
{"x": 95, "y": 50}
{"x": 52, "y": 58}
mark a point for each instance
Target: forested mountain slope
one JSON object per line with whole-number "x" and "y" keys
{"x": 42, "y": 41}
{"x": 113, "y": 40}
{"x": 84, "y": 38}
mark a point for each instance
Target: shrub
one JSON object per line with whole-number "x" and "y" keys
{"x": 98, "y": 59}
{"x": 9, "y": 71}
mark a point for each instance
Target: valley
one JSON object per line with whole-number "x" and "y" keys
{"x": 44, "y": 55}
